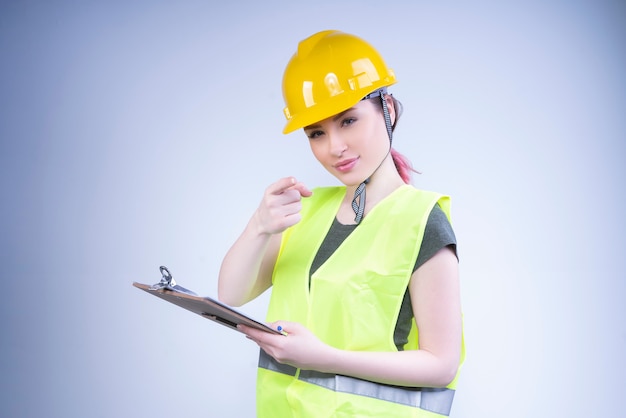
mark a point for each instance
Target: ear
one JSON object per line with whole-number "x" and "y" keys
{"x": 392, "y": 109}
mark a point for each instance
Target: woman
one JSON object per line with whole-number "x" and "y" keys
{"x": 364, "y": 276}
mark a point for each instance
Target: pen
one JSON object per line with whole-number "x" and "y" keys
{"x": 280, "y": 329}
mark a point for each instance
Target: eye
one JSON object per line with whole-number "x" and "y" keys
{"x": 314, "y": 134}
{"x": 348, "y": 121}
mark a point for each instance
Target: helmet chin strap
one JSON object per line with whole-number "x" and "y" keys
{"x": 358, "y": 201}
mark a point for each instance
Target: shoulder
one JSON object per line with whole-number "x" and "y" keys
{"x": 438, "y": 219}
{"x": 413, "y": 193}
{"x": 438, "y": 234}
{"x": 439, "y": 228}
{"x": 421, "y": 202}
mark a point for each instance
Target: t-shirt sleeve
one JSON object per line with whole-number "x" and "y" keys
{"x": 437, "y": 235}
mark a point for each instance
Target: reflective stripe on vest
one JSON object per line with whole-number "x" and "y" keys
{"x": 437, "y": 400}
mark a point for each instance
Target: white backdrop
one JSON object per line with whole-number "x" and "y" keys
{"x": 139, "y": 135}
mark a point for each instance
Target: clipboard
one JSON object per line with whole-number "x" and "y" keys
{"x": 205, "y": 306}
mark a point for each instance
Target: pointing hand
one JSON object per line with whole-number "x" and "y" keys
{"x": 281, "y": 205}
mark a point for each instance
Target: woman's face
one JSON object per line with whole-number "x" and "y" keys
{"x": 352, "y": 144}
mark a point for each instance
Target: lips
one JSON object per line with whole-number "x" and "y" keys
{"x": 346, "y": 165}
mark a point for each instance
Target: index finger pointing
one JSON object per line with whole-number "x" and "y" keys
{"x": 304, "y": 191}
{"x": 281, "y": 185}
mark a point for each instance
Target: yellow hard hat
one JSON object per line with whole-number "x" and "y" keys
{"x": 331, "y": 72}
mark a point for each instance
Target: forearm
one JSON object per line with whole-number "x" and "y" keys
{"x": 246, "y": 271}
{"x": 242, "y": 275}
{"x": 418, "y": 368}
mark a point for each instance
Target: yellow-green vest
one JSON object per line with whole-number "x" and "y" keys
{"x": 352, "y": 302}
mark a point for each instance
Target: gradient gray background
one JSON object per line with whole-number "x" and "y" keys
{"x": 136, "y": 135}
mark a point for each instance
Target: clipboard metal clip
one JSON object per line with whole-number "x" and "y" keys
{"x": 168, "y": 282}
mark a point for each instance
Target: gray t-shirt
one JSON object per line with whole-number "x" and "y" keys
{"x": 437, "y": 235}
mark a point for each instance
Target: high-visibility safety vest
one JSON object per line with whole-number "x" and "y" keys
{"x": 352, "y": 303}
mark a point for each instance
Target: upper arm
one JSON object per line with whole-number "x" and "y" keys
{"x": 435, "y": 297}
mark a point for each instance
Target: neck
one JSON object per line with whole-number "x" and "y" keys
{"x": 381, "y": 184}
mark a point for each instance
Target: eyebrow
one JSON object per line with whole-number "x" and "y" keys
{"x": 337, "y": 116}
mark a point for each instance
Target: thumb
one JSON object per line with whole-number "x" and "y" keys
{"x": 284, "y": 326}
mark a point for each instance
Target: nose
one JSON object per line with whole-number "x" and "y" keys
{"x": 336, "y": 145}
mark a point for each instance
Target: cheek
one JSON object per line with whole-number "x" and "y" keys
{"x": 372, "y": 136}
{"x": 316, "y": 149}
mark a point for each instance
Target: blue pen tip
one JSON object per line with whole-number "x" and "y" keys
{"x": 280, "y": 328}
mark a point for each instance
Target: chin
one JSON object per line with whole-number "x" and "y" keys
{"x": 350, "y": 180}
